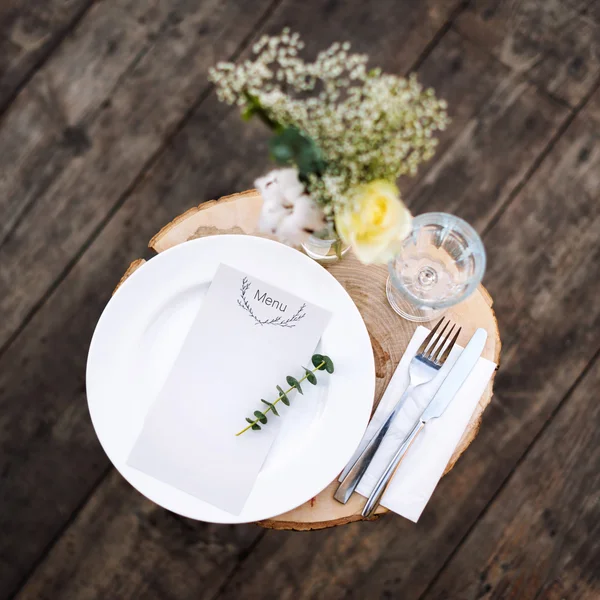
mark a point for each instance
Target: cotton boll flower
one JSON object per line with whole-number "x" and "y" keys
{"x": 289, "y": 184}
{"x": 288, "y": 211}
{"x": 269, "y": 189}
{"x": 309, "y": 214}
{"x": 271, "y": 217}
{"x": 306, "y": 218}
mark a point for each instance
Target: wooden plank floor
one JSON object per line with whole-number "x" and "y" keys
{"x": 109, "y": 128}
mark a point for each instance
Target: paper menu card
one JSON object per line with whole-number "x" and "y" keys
{"x": 247, "y": 337}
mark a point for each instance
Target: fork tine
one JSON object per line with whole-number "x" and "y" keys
{"x": 429, "y": 337}
{"x": 444, "y": 356}
{"x": 440, "y": 349}
{"x": 434, "y": 344}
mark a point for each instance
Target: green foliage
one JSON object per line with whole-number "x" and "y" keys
{"x": 254, "y": 108}
{"x": 283, "y": 396}
{"x": 310, "y": 376}
{"x": 294, "y": 383}
{"x": 260, "y": 416}
{"x": 322, "y": 362}
{"x": 292, "y": 147}
{"x": 339, "y": 121}
{"x": 319, "y": 361}
{"x": 271, "y": 406}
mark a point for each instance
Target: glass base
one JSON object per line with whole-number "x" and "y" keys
{"x": 323, "y": 250}
{"x": 408, "y": 310}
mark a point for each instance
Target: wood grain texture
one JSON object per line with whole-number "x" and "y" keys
{"x": 592, "y": 109}
{"x": 132, "y": 268}
{"x": 236, "y": 213}
{"x": 500, "y": 124}
{"x": 586, "y": 8}
{"x": 42, "y": 374}
{"x": 389, "y": 334}
{"x": 44, "y": 420}
{"x": 541, "y": 536}
{"x": 70, "y": 168}
{"x": 29, "y": 30}
{"x": 139, "y": 550}
{"x": 395, "y": 34}
{"x": 105, "y": 156}
{"x": 47, "y": 126}
{"x": 44, "y": 423}
{"x": 551, "y": 43}
{"x": 541, "y": 254}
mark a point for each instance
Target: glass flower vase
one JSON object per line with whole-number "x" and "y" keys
{"x": 325, "y": 250}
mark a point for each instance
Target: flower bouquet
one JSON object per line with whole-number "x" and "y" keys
{"x": 343, "y": 134}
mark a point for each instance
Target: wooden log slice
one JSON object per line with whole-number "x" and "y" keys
{"x": 390, "y": 334}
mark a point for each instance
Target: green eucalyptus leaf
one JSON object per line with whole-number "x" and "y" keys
{"x": 260, "y": 416}
{"x": 271, "y": 406}
{"x": 328, "y": 364}
{"x": 310, "y": 376}
{"x": 283, "y": 396}
{"x": 317, "y": 361}
{"x": 293, "y": 382}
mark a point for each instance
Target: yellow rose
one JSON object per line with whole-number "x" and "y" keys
{"x": 374, "y": 221}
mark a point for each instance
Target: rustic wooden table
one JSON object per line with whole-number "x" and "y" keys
{"x": 390, "y": 334}
{"x": 109, "y": 128}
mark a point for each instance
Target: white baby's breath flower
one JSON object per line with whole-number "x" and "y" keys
{"x": 368, "y": 125}
{"x": 288, "y": 212}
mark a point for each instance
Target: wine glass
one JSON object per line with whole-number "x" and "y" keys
{"x": 440, "y": 264}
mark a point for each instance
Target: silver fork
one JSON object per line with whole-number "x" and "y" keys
{"x": 423, "y": 367}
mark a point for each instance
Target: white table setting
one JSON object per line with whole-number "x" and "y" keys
{"x": 232, "y": 378}
{"x": 166, "y": 411}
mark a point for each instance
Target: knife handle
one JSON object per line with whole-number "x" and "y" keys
{"x": 361, "y": 464}
{"x": 380, "y": 487}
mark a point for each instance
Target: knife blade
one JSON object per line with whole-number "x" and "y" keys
{"x": 456, "y": 377}
{"x": 434, "y": 409}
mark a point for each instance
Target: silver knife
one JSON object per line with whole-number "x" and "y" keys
{"x": 436, "y": 407}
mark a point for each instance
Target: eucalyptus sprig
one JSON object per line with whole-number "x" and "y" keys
{"x": 320, "y": 363}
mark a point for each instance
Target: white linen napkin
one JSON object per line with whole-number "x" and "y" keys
{"x": 428, "y": 456}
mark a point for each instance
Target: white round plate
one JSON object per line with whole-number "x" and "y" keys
{"x": 142, "y": 330}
